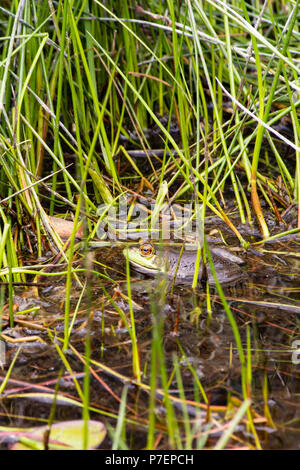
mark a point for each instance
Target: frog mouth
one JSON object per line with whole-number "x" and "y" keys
{"x": 144, "y": 267}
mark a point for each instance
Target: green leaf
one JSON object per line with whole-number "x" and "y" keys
{"x": 67, "y": 435}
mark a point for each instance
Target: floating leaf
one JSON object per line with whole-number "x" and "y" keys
{"x": 66, "y": 435}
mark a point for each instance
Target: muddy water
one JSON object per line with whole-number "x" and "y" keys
{"x": 267, "y": 304}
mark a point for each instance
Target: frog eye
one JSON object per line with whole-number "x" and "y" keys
{"x": 147, "y": 249}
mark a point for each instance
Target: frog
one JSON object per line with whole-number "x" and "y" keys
{"x": 179, "y": 262}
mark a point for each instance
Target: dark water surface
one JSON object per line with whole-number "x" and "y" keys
{"x": 267, "y": 303}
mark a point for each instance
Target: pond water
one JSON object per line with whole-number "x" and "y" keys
{"x": 265, "y": 305}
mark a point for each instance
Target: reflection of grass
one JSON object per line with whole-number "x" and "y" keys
{"x": 73, "y": 85}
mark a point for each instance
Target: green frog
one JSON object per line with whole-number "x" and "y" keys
{"x": 151, "y": 259}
